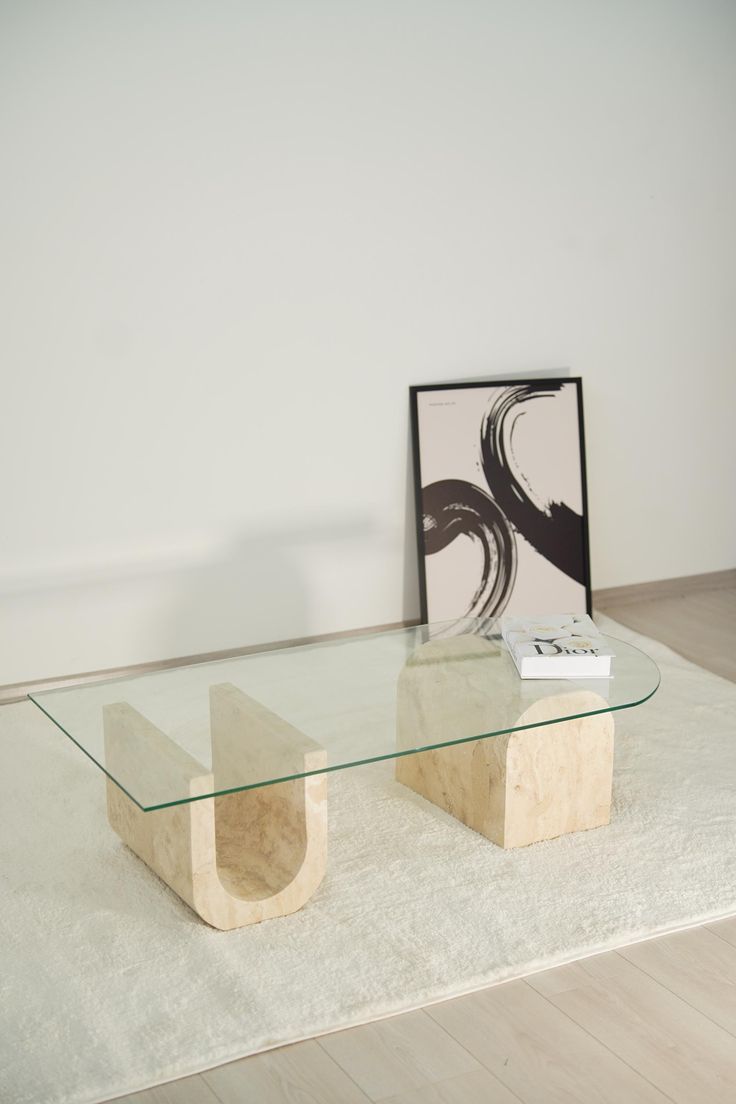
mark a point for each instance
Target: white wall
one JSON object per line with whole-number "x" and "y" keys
{"x": 234, "y": 233}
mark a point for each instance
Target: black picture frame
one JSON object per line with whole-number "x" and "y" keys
{"x": 497, "y": 507}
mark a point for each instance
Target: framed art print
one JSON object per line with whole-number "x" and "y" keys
{"x": 499, "y": 473}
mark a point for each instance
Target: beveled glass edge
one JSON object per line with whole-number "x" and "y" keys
{"x": 105, "y": 771}
{"x": 359, "y": 762}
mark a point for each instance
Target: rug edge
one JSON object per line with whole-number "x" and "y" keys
{"x": 614, "y": 945}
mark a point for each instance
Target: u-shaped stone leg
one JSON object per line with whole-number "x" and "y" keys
{"x": 240, "y": 858}
{"x": 537, "y": 782}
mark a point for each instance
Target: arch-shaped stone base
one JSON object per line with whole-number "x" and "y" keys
{"x": 240, "y": 858}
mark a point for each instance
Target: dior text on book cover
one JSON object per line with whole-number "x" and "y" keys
{"x": 564, "y": 645}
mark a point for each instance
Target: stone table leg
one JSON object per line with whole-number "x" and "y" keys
{"x": 239, "y": 858}
{"x": 516, "y": 788}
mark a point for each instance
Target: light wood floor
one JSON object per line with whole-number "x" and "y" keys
{"x": 699, "y": 624}
{"x": 654, "y": 1022}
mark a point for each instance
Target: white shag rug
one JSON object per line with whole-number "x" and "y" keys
{"x": 110, "y": 984}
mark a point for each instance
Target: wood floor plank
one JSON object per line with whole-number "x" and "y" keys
{"x": 303, "y": 1072}
{"x": 561, "y": 978}
{"x": 700, "y": 626}
{"x": 398, "y": 1054}
{"x": 537, "y": 1051}
{"x": 478, "y": 1087}
{"x": 725, "y": 929}
{"x": 187, "y": 1090}
{"x": 669, "y": 1042}
{"x": 697, "y": 966}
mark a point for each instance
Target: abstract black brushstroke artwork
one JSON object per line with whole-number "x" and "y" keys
{"x": 499, "y": 471}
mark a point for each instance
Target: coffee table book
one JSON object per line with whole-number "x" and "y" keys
{"x": 554, "y": 646}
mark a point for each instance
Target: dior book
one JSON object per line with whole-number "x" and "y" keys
{"x": 565, "y": 645}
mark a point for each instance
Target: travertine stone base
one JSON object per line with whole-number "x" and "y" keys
{"x": 516, "y": 788}
{"x": 236, "y": 859}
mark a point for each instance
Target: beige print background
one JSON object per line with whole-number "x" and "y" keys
{"x": 547, "y": 462}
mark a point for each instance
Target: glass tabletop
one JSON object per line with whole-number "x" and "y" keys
{"x": 213, "y": 728}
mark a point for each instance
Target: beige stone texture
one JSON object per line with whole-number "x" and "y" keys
{"x": 517, "y": 788}
{"x": 242, "y": 857}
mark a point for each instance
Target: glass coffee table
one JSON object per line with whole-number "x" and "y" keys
{"x": 217, "y": 772}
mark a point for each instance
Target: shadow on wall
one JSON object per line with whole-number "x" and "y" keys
{"x": 279, "y": 583}
{"x": 274, "y": 585}
{"x": 268, "y": 586}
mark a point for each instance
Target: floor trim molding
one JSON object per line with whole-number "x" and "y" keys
{"x": 663, "y": 588}
{"x": 602, "y": 599}
{"x": 14, "y": 692}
